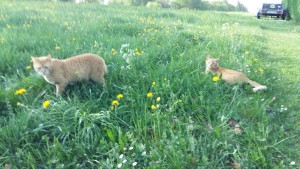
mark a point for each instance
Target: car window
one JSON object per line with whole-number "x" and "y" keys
{"x": 272, "y": 6}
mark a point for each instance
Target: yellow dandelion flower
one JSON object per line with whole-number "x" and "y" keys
{"x": 112, "y": 108}
{"x": 46, "y": 104}
{"x": 149, "y": 94}
{"x": 20, "y": 91}
{"x": 57, "y": 47}
{"x": 157, "y": 105}
{"x": 120, "y": 96}
{"x": 153, "y": 83}
{"x": 19, "y": 104}
{"x": 165, "y": 78}
{"x": 66, "y": 24}
{"x": 28, "y": 67}
{"x": 113, "y": 51}
{"x": 158, "y": 99}
{"x": 216, "y": 78}
{"x": 153, "y": 107}
{"x": 261, "y": 70}
{"x": 115, "y": 103}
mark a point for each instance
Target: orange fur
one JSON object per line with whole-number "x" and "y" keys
{"x": 230, "y": 76}
{"x": 82, "y": 67}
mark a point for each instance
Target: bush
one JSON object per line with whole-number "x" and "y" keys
{"x": 153, "y": 5}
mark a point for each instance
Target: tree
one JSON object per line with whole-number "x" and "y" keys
{"x": 293, "y": 8}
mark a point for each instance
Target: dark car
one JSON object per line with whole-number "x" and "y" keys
{"x": 273, "y": 10}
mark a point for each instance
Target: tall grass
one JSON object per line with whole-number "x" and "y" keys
{"x": 186, "y": 121}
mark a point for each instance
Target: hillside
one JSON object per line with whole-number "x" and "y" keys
{"x": 159, "y": 109}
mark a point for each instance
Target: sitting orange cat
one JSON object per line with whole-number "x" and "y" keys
{"x": 230, "y": 76}
{"x": 78, "y": 68}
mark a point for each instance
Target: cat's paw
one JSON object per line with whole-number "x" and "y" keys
{"x": 259, "y": 88}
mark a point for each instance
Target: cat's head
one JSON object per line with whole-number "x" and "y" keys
{"x": 42, "y": 65}
{"x": 211, "y": 63}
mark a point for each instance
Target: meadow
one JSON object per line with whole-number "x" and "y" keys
{"x": 159, "y": 109}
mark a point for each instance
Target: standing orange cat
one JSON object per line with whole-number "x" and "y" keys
{"x": 82, "y": 67}
{"x": 231, "y": 76}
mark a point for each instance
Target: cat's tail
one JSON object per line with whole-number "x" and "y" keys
{"x": 256, "y": 86}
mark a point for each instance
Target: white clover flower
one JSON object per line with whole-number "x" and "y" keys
{"x": 144, "y": 153}
{"x": 121, "y": 156}
{"x": 134, "y": 164}
{"x": 120, "y": 165}
{"x": 130, "y": 148}
{"x": 124, "y": 161}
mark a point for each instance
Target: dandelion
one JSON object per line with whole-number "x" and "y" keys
{"x": 57, "y": 47}
{"x": 137, "y": 52}
{"x": 113, "y": 51}
{"x": 8, "y": 26}
{"x": 153, "y": 83}
{"x": 153, "y": 107}
{"x": 46, "y": 104}
{"x": 216, "y": 78}
{"x": 112, "y": 108}
{"x": 165, "y": 78}
{"x": 115, "y": 103}
{"x": 19, "y": 104}
{"x": 158, "y": 99}
{"x": 20, "y": 91}
{"x": 120, "y": 96}
{"x": 149, "y": 94}
{"x": 26, "y": 25}
{"x": 66, "y": 24}
{"x": 28, "y": 67}
{"x": 261, "y": 70}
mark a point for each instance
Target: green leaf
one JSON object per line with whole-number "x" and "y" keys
{"x": 110, "y": 135}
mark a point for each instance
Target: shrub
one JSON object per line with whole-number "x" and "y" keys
{"x": 153, "y": 5}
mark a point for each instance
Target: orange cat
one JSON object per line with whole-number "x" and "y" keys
{"x": 82, "y": 67}
{"x": 230, "y": 76}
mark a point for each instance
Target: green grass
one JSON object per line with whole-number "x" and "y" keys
{"x": 189, "y": 128}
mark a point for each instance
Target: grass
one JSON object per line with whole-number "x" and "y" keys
{"x": 187, "y": 121}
